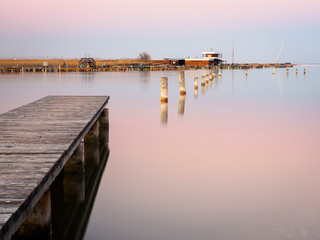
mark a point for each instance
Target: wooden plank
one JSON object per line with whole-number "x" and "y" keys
{"x": 4, "y": 218}
{"x": 35, "y": 142}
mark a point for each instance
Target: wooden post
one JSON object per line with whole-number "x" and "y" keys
{"x": 91, "y": 145}
{"x": 76, "y": 161}
{"x": 296, "y": 70}
{"x": 203, "y": 82}
{"x": 182, "y": 101}
{"x": 219, "y": 71}
{"x": 59, "y": 68}
{"x": 37, "y": 224}
{"x": 164, "y": 113}
{"x": 104, "y": 129}
{"x": 210, "y": 77}
{"x": 207, "y": 78}
{"x": 196, "y": 83}
{"x": 287, "y": 71}
{"x": 304, "y": 71}
{"x": 182, "y": 83}
{"x": 164, "y": 89}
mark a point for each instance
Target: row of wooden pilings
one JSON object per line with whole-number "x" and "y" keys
{"x": 304, "y": 72}
{"x": 182, "y": 85}
{"x": 205, "y": 80}
{"x": 38, "y": 224}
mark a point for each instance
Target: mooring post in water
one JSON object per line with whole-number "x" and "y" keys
{"x": 304, "y": 71}
{"x": 182, "y": 101}
{"x": 76, "y": 162}
{"x": 203, "y": 82}
{"x": 246, "y": 72}
{"x": 296, "y": 70}
{"x": 37, "y": 225}
{"x": 207, "y": 78}
{"x": 195, "y": 82}
{"x": 164, "y": 113}
{"x": 164, "y": 89}
{"x": 219, "y": 71}
{"x": 273, "y": 72}
{"x": 210, "y": 77}
{"x": 287, "y": 71}
{"x": 182, "y": 83}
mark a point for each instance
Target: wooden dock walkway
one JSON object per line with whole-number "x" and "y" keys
{"x": 36, "y": 140}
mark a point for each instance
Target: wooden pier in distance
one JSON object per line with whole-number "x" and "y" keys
{"x": 37, "y": 141}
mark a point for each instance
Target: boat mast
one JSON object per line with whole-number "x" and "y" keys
{"x": 279, "y": 52}
{"x": 233, "y": 52}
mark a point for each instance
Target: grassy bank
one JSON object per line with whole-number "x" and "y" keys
{"x": 70, "y": 62}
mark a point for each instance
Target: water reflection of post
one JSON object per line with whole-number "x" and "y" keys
{"x": 232, "y": 80}
{"x": 203, "y": 83}
{"x": 164, "y": 113}
{"x": 196, "y": 87}
{"x": 202, "y": 89}
{"x": 182, "y": 101}
{"x": 182, "y": 98}
{"x": 207, "y": 82}
{"x": 164, "y": 100}
{"x": 74, "y": 182}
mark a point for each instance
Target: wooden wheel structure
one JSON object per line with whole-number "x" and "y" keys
{"x": 87, "y": 63}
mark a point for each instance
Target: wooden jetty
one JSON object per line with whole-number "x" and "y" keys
{"x": 37, "y": 141}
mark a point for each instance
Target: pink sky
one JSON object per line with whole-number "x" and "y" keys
{"x": 181, "y": 28}
{"x": 59, "y": 15}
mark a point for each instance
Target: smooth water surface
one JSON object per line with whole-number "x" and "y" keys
{"x": 239, "y": 159}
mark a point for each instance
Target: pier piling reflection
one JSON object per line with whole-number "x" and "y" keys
{"x": 164, "y": 113}
{"x": 182, "y": 102}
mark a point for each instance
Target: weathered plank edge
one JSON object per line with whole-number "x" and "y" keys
{"x": 16, "y": 219}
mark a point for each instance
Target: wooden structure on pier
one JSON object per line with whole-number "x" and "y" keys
{"x": 87, "y": 63}
{"x": 37, "y": 141}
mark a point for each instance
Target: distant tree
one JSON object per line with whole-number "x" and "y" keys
{"x": 144, "y": 56}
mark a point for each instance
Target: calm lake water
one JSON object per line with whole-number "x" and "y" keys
{"x": 239, "y": 161}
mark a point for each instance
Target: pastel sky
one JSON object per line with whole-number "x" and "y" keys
{"x": 176, "y": 28}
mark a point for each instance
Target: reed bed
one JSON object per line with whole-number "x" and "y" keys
{"x": 70, "y": 62}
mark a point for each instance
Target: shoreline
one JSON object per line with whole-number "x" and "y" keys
{"x": 72, "y": 65}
